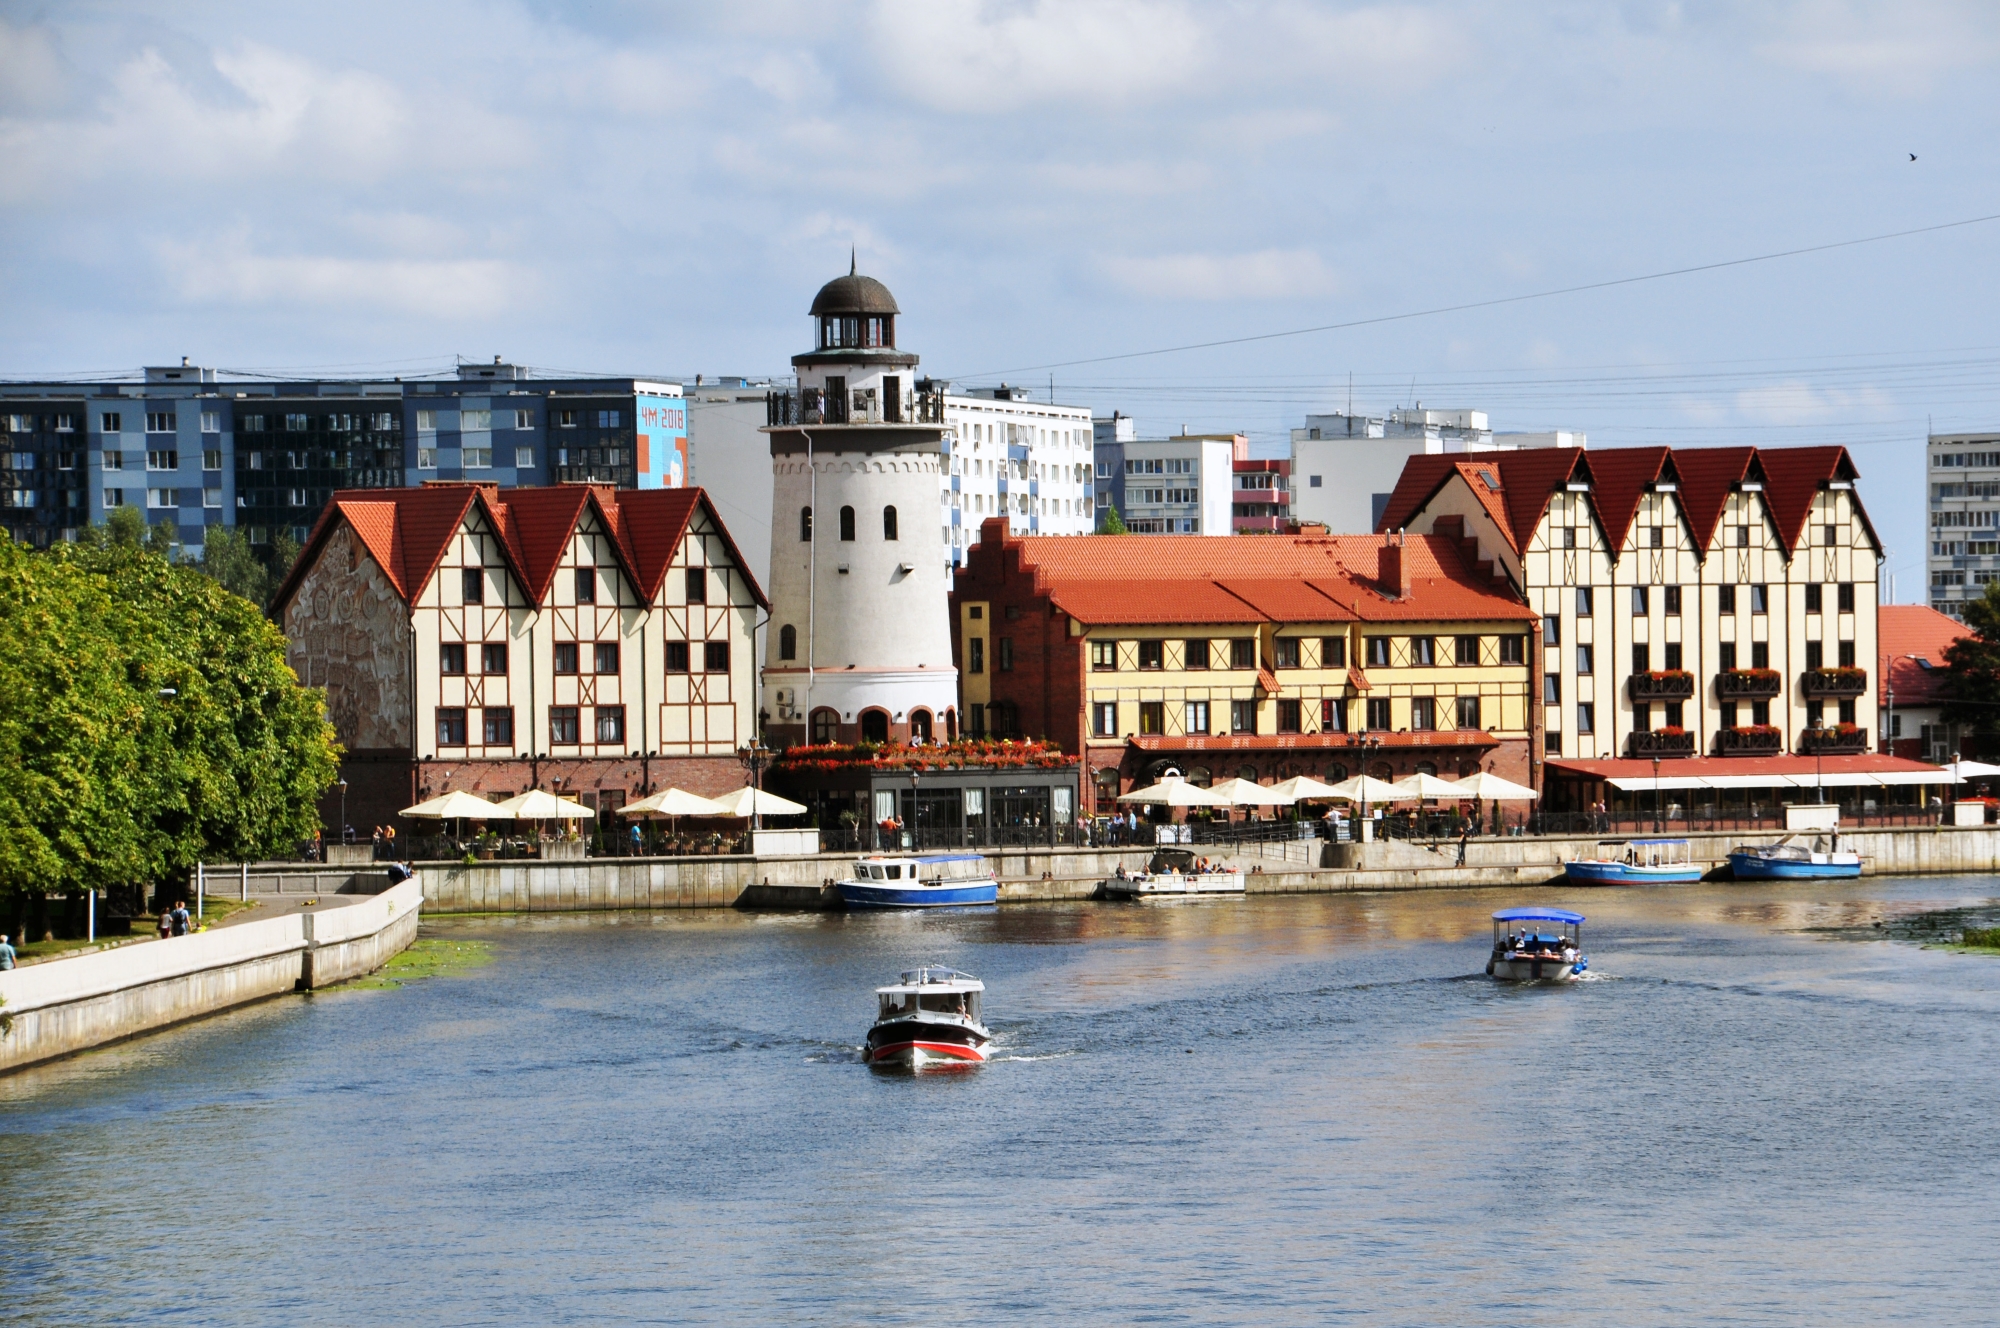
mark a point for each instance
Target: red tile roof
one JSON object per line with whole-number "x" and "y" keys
{"x": 1620, "y": 477}
{"x": 1871, "y": 763}
{"x": 1265, "y": 742}
{"x": 1527, "y": 478}
{"x": 1121, "y": 603}
{"x": 407, "y": 531}
{"x": 1708, "y": 475}
{"x": 1906, "y": 630}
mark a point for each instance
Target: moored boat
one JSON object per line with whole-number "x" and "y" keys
{"x": 928, "y": 1018}
{"x": 1174, "y": 874}
{"x": 1636, "y": 862}
{"x": 1525, "y": 949}
{"x": 1791, "y": 862}
{"x": 938, "y": 880}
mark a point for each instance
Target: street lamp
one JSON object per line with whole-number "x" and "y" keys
{"x": 1656, "y": 795}
{"x": 754, "y": 756}
{"x": 343, "y": 811}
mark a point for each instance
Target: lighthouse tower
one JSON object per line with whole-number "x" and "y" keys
{"x": 860, "y": 635}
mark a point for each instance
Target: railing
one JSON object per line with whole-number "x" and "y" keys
{"x": 1660, "y": 743}
{"x": 813, "y": 405}
{"x": 1254, "y": 832}
{"x": 1676, "y": 818}
{"x": 1753, "y": 741}
{"x": 1833, "y": 684}
{"x": 1748, "y": 684}
{"x": 1847, "y": 741}
{"x": 1666, "y": 685}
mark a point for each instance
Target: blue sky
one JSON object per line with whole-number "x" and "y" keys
{"x": 660, "y": 188}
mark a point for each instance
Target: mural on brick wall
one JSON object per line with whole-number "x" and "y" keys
{"x": 350, "y": 634}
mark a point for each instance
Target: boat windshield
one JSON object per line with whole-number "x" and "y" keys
{"x": 944, "y": 1002}
{"x": 893, "y": 1005}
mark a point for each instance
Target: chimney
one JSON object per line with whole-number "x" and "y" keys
{"x": 1392, "y": 569}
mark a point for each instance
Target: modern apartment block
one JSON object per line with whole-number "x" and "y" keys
{"x": 1347, "y": 465}
{"x": 1717, "y": 601}
{"x": 1259, "y": 658}
{"x": 1007, "y": 455}
{"x": 1262, "y": 502}
{"x": 1165, "y": 486}
{"x": 1964, "y": 478}
{"x": 194, "y": 449}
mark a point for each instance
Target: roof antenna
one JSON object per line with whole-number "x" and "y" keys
{"x": 850, "y": 261}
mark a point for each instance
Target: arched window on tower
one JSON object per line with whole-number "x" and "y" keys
{"x": 788, "y": 642}
{"x": 805, "y": 525}
{"x": 847, "y": 523}
{"x": 888, "y": 523}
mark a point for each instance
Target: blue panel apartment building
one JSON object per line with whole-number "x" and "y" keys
{"x": 194, "y": 450}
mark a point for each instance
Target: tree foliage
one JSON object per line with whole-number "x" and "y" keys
{"x": 1971, "y": 687}
{"x": 148, "y": 720}
{"x": 1111, "y": 523}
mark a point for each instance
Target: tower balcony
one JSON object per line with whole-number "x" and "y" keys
{"x": 814, "y": 405}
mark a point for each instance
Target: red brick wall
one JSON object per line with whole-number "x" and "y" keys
{"x": 1045, "y": 684}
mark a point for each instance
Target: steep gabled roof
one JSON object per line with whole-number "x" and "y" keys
{"x": 1621, "y": 476}
{"x": 1793, "y": 476}
{"x": 1708, "y": 476}
{"x": 1420, "y": 481}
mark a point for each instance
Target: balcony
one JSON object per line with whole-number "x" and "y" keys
{"x": 1664, "y": 685}
{"x": 1833, "y": 684}
{"x": 1754, "y": 740}
{"x": 812, "y": 405}
{"x": 1660, "y": 745}
{"x": 1846, "y": 740}
{"x": 1748, "y": 684}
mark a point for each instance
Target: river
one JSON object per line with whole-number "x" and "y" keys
{"x": 1760, "y": 1109}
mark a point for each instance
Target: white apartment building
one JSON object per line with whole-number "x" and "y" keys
{"x": 1165, "y": 486}
{"x": 1006, "y": 455}
{"x": 1344, "y": 466}
{"x": 1964, "y": 477}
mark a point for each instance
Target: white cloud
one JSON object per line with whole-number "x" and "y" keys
{"x": 1902, "y": 47}
{"x": 226, "y": 272}
{"x": 1798, "y": 402}
{"x": 1268, "y": 274}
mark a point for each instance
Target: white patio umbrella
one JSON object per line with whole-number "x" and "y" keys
{"x": 672, "y": 802}
{"x": 460, "y": 804}
{"x": 540, "y": 805}
{"x": 1971, "y": 769}
{"x": 1420, "y": 786}
{"x": 747, "y": 801}
{"x": 1365, "y": 788}
{"x": 1247, "y": 793}
{"x": 1175, "y": 793}
{"x": 1495, "y": 789}
{"x": 1303, "y": 788}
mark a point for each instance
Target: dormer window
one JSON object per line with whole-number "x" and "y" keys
{"x": 856, "y": 331}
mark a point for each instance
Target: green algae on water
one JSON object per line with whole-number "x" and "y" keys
{"x": 427, "y": 957}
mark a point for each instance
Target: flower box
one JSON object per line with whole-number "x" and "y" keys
{"x": 1833, "y": 684}
{"x": 1748, "y": 684}
{"x": 1750, "y": 740}
{"x": 1844, "y": 740}
{"x": 1663, "y": 743}
{"x": 1661, "y": 685}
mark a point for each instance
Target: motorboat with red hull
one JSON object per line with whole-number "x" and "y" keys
{"x": 928, "y": 1019}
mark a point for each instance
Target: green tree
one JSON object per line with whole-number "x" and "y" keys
{"x": 1111, "y": 523}
{"x": 228, "y": 559}
{"x": 149, "y": 721}
{"x": 1972, "y": 679}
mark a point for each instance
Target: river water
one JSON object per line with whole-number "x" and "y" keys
{"x": 1761, "y": 1109}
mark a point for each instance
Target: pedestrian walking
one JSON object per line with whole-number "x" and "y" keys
{"x": 166, "y": 923}
{"x": 6, "y": 954}
{"x": 1463, "y": 835}
{"x": 638, "y": 841}
{"x": 182, "y": 919}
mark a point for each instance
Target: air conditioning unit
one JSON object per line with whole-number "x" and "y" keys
{"x": 784, "y": 696}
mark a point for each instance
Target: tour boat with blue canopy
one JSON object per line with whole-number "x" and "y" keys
{"x": 1791, "y": 862}
{"x": 938, "y": 880}
{"x": 1537, "y": 945}
{"x": 1636, "y": 862}
{"x": 929, "y": 1017}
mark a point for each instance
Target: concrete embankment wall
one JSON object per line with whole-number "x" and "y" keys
{"x": 67, "y": 1005}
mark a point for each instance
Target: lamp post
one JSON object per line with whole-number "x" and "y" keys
{"x": 1363, "y": 744}
{"x": 754, "y": 757}
{"x": 343, "y": 811}
{"x": 1656, "y": 795}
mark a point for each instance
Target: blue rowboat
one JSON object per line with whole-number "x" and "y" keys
{"x": 1636, "y": 862}
{"x": 941, "y": 880}
{"x": 1791, "y": 862}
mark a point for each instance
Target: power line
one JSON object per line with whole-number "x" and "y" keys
{"x": 1492, "y": 303}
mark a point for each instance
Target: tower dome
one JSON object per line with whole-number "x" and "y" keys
{"x": 854, "y": 294}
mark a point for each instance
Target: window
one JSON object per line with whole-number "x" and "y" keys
{"x": 1815, "y": 656}
{"x": 1196, "y": 715}
{"x": 472, "y": 585}
{"x": 1552, "y": 689}
{"x": 159, "y": 421}
{"x": 1656, "y": 537}
{"x": 1552, "y": 742}
{"x": 1760, "y": 655}
{"x": 586, "y": 585}
{"x": 1672, "y": 597}
{"x": 65, "y": 423}
{"x": 1103, "y": 656}
{"x": 475, "y": 421}
{"x": 1468, "y": 713}
{"x": 1845, "y": 654}
{"x": 1845, "y": 597}
{"x": 1423, "y": 651}
{"x": 1152, "y": 717}
{"x": 427, "y": 458}
{"x": 607, "y": 419}
{"x": 1725, "y": 656}
{"x": 1586, "y": 718}
{"x": 1333, "y": 716}
{"x": 1285, "y": 655}
{"x": 493, "y": 657}
{"x": 1642, "y": 658}
{"x": 697, "y": 585}
{"x": 1672, "y": 662}
{"x": 1760, "y": 599}
{"x": 451, "y": 658}
{"x": 1196, "y": 654}
{"x": 451, "y": 726}
{"x": 211, "y": 458}
{"x": 1513, "y": 650}
{"x": 1641, "y": 601}
{"x": 1152, "y": 654}
{"x": 1760, "y": 713}
{"x": 1847, "y": 712}
{"x": 296, "y": 424}
{"x": 1378, "y": 714}
{"x": 1552, "y": 629}
{"x": 524, "y": 458}
{"x": 604, "y": 657}
{"x": 163, "y": 460}
{"x": 805, "y": 525}
{"x": 888, "y": 523}
{"x": 824, "y": 722}
{"x": 1104, "y": 719}
{"x": 1006, "y": 654}
{"x": 1333, "y": 652}
{"x": 1242, "y": 716}
{"x": 562, "y": 725}
{"x": 1827, "y": 535}
{"x": 478, "y": 458}
{"x": 1583, "y": 602}
{"x": 788, "y": 647}
{"x": 1288, "y": 715}
{"x": 1378, "y": 652}
{"x": 564, "y": 419}
{"x": 1675, "y": 714}
{"x": 1465, "y": 650}
{"x": 114, "y": 497}
{"x": 108, "y": 422}
{"x": 163, "y": 498}
{"x": 1814, "y": 598}
{"x": 1583, "y": 659}
{"x": 1243, "y": 653}
{"x": 677, "y": 657}
{"x": 847, "y": 523}
{"x": 1725, "y": 599}
{"x": 610, "y": 723}
{"x": 1569, "y": 537}
{"x": 1423, "y": 714}
{"x": 1313, "y": 482}
{"x": 565, "y": 657}
{"x": 497, "y": 725}
{"x": 211, "y": 498}
{"x": 715, "y": 657}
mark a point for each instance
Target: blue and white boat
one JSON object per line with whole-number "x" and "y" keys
{"x": 939, "y": 880}
{"x": 1537, "y": 945}
{"x": 1636, "y": 862}
{"x": 1791, "y": 862}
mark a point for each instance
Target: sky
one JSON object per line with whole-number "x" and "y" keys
{"x": 660, "y": 188}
